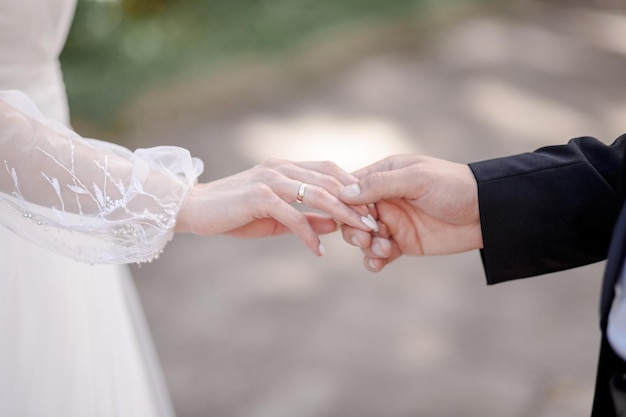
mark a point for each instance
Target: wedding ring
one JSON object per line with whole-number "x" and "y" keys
{"x": 301, "y": 191}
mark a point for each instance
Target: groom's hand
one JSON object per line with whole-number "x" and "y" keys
{"x": 425, "y": 206}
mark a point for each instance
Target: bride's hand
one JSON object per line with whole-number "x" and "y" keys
{"x": 257, "y": 203}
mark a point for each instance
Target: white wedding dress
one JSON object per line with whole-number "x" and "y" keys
{"x": 73, "y": 339}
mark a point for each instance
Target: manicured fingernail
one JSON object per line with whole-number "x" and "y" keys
{"x": 372, "y": 264}
{"x": 377, "y": 249}
{"x": 351, "y": 190}
{"x": 322, "y": 250}
{"x": 355, "y": 241}
{"x": 375, "y": 228}
{"x": 369, "y": 222}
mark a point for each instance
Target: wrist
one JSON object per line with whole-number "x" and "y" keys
{"x": 186, "y": 215}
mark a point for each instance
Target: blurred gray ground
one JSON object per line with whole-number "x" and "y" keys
{"x": 265, "y": 329}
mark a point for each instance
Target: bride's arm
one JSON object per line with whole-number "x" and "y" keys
{"x": 91, "y": 200}
{"x": 101, "y": 203}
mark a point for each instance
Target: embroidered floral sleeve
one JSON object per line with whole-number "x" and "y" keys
{"x": 91, "y": 200}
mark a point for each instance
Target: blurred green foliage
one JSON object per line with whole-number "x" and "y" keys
{"x": 118, "y": 48}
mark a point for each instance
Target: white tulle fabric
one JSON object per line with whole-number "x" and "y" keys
{"x": 91, "y": 200}
{"x": 74, "y": 341}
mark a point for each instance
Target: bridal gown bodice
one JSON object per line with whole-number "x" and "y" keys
{"x": 32, "y": 35}
{"x": 73, "y": 338}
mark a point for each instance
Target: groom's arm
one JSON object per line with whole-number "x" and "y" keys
{"x": 549, "y": 210}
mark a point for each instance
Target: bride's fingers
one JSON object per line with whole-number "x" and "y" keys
{"x": 323, "y": 174}
{"x": 319, "y": 198}
{"x": 297, "y": 222}
{"x": 329, "y": 168}
{"x": 271, "y": 227}
{"x": 326, "y": 175}
{"x": 321, "y": 225}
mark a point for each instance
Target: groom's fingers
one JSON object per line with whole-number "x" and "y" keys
{"x": 379, "y": 248}
{"x": 355, "y": 236}
{"x": 399, "y": 176}
{"x": 390, "y": 163}
{"x": 365, "y": 241}
{"x": 371, "y": 245}
{"x": 382, "y": 165}
{"x": 381, "y": 185}
{"x": 374, "y": 263}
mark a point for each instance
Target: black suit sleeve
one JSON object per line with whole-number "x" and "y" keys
{"x": 549, "y": 210}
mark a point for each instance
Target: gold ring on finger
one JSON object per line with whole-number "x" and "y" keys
{"x": 301, "y": 191}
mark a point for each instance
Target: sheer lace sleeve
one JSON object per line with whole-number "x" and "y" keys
{"x": 91, "y": 200}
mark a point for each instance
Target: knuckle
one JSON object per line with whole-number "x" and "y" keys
{"x": 329, "y": 166}
{"x": 330, "y": 186}
{"x": 375, "y": 179}
{"x": 329, "y": 199}
{"x": 269, "y": 175}
{"x": 301, "y": 223}
{"x": 273, "y": 163}
{"x": 264, "y": 192}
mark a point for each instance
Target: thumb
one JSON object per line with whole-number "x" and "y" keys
{"x": 378, "y": 186}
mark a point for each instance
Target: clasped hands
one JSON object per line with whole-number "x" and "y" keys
{"x": 404, "y": 204}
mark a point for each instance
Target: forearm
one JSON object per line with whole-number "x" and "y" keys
{"x": 90, "y": 200}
